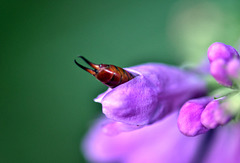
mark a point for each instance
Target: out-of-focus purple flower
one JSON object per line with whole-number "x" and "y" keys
{"x": 162, "y": 142}
{"x": 159, "y": 142}
{"x": 156, "y": 91}
{"x": 113, "y": 127}
{"x": 225, "y": 145}
{"x": 189, "y": 119}
{"x": 220, "y": 56}
{"x": 204, "y": 67}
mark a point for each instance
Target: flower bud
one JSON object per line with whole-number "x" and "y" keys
{"x": 189, "y": 119}
{"x": 218, "y": 71}
{"x": 220, "y": 56}
{"x": 233, "y": 68}
{"x": 220, "y": 50}
{"x": 214, "y": 114}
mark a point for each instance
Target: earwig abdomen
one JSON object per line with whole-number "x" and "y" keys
{"x": 109, "y": 75}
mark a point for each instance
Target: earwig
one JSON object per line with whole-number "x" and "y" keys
{"x": 109, "y": 75}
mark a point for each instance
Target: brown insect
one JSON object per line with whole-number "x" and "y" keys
{"x": 109, "y": 75}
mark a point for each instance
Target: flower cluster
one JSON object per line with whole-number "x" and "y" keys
{"x": 224, "y": 63}
{"x": 197, "y": 116}
{"x": 150, "y": 118}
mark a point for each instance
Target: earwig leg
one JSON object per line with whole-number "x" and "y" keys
{"x": 85, "y": 68}
{"x": 95, "y": 66}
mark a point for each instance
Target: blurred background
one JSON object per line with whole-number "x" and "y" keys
{"x": 46, "y": 104}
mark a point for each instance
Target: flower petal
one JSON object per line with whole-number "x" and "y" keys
{"x": 154, "y": 143}
{"x": 115, "y": 128}
{"x": 155, "y": 92}
{"x": 226, "y": 145}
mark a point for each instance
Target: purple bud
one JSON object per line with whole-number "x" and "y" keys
{"x": 156, "y": 91}
{"x": 220, "y": 50}
{"x": 219, "y": 55}
{"x": 189, "y": 119}
{"x": 207, "y": 117}
{"x": 233, "y": 68}
{"x": 221, "y": 116}
{"x": 214, "y": 114}
{"x": 218, "y": 71}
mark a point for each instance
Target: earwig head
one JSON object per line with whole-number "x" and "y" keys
{"x": 95, "y": 67}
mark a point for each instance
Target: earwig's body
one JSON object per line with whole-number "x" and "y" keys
{"x": 113, "y": 76}
{"x": 109, "y": 75}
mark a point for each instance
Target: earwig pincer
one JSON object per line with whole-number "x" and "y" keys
{"x": 110, "y": 75}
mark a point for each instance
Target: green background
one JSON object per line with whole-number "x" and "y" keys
{"x": 46, "y": 103}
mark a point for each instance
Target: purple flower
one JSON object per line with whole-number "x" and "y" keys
{"x": 162, "y": 142}
{"x": 221, "y": 56}
{"x": 142, "y": 124}
{"x": 233, "y": 68}
{"x": 215, "y": 114}
{"x": 198, "y": 116}
{"x": 189, "y": 119}
{"x": 225, "y": 145}
{"x": 218, "y": 71}
{"x": 220, "y": 50}
{"x": 157, "y": 91}
{"x": 155, "y": 143}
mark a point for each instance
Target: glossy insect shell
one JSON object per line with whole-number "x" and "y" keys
{"x": 109, "y": 75}
{"x": 112, "y": 76}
